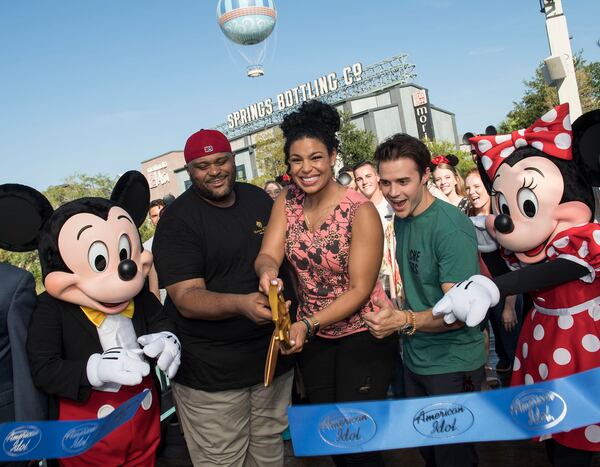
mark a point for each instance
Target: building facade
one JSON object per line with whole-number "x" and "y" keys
{"x": 379, "y": 99}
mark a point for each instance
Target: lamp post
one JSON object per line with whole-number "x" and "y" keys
{"x": 560, "y": 70}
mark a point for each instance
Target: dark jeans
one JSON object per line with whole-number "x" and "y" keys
{"x": 449, "y": 455}
{"x": 505, "y": 342}
{"x": 352, "y": 368}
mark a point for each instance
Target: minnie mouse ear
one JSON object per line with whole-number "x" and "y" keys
{"x": 132, "y": 193}
{"x": 586, "y": 143}
{"x": 452, "y": 159}
{"x": 25, "y": 212}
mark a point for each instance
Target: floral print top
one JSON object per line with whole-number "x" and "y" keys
{"x": 320, "y": 259}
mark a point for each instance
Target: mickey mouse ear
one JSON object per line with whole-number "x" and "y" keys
{"x": 586, "y": 143}
{"x": 132, "y": 193}
{"x": 25, "y": 212}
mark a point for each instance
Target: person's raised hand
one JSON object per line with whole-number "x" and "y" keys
{"x": 385, "y": 322}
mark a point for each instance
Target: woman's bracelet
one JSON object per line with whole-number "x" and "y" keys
{"x": 308, "y": 327}
{"x": 312, "y": 326}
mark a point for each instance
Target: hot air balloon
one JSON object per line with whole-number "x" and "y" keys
{"x": 248, "y": 23}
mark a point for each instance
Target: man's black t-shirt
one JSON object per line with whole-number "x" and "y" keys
{"x": 195, "y": 239}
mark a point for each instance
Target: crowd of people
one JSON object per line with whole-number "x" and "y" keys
{"x": 362, "y": 258}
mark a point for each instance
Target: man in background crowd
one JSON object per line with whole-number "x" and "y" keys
{"x": 154, "y": 213}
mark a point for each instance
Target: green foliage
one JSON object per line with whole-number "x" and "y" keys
{"x": 355, "y": 145}
{"x": 440, "y": 148}
{"x": 269, "y": 156}
{"x": 540, "y": 97}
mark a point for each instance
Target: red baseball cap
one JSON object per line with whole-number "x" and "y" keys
{"x": 204, "y": 143}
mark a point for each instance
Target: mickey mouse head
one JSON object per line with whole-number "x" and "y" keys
{"x": 90, "y": 249}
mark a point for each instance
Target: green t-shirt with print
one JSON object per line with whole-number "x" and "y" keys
{"x": 433, "y": 248}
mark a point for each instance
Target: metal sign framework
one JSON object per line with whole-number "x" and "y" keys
{"x": 394, "y": 70}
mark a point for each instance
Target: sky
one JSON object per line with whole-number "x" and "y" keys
{"x": 98, "y": 86}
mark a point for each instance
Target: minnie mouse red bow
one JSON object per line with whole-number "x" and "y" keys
{"x": 437, "y": 160}
{"x": 550, "y": 134}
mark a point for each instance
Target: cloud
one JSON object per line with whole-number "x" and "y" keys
{"x": 486, "y": 50}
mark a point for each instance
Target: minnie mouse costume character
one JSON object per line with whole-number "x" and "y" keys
{"x": 541, "y": 182}
{"x": 83, "y": 339}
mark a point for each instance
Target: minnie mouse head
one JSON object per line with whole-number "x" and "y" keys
{"x": 540, "y": 180}
{"x": 90, "y": 249}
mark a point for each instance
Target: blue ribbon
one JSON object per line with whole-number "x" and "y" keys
{"x": 56, "y": 439}
{"x": 505, "y": 414}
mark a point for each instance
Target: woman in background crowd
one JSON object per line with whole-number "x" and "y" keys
{"x": 333, "y": 238}
{"x": 272, "y": 188}
{"x": 447, "y": 179}
{"x": 503, "y": 316}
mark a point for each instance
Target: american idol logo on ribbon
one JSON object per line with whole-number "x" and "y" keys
{"x": 347, "y": 428}
{"x": 80, "y": 438}
{"x": 22, "y": 440}
{"x": 538, "y": 409}
{"x": 443, "y": 420}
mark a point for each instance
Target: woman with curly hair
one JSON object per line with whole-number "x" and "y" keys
{"x": 333, "y": 237}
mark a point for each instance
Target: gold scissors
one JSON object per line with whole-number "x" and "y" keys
{"x": 281, "y": 334}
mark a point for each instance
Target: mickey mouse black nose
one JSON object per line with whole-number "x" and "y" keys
{"x": 504, "y": 224}
{"x": 127, "y": 270}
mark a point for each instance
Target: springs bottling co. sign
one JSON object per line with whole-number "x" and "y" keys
{"x": 310, "y": 90}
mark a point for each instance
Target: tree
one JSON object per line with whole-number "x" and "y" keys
{"x": 355, "y": 145}
{"x": 270, "y": 159}
{"x": 441, "y": 148}
{"x": 540, "y": 97}
{"x": 74, "y": 187}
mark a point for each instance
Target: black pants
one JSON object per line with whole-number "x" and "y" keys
{"x": 505, "y": 342}
{"x": 352, "y": 368}
{"x": 563, "y": 456}
{"x": 449, "y": 455}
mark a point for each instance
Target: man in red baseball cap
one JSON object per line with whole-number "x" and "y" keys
{"x": 204, "y": 251}
{"x": 210, "y": 164}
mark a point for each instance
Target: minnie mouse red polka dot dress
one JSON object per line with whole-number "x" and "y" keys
{"x": 560, "y": 335}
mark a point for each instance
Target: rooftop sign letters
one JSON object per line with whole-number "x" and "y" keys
{"x": 321, "y": 86}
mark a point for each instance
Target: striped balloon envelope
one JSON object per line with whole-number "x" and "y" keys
{"x": 246, "y": 22}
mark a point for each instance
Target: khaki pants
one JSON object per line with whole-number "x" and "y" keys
{"x": 237, "y": 428}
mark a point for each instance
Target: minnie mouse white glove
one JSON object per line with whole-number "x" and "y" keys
{"x": 116, "y": 365}
{"x": 166, "y": 347}
{"x": 468, "y": 301}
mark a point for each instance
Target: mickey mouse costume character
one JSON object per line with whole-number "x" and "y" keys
{"x": 541, "y": 181}
{"x": 87, "y": 328}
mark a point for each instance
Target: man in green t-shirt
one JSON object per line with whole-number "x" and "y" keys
{"x": 435, "y": 248}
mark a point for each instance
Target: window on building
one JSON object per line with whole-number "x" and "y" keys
{"x": 241, "y": 173}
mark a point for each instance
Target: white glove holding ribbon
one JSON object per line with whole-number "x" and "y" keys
{"x": 468, "y": 301}
{"x": 485, "y": 242}
{"x": 116, "y": 365}
{"x": 166, "y": 347}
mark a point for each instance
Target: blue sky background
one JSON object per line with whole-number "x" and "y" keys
{"x": 97, "y": 86}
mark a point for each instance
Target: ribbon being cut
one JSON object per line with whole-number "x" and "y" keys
{"x": 23, "y": 441}
{"x": 520, "y": 412}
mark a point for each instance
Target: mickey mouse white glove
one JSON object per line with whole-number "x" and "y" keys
{"x": 485, "y": 242}
{"x": 116, "y": 365}
{"x": 166, "y": 347}
{"x": 468, "y": 301}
